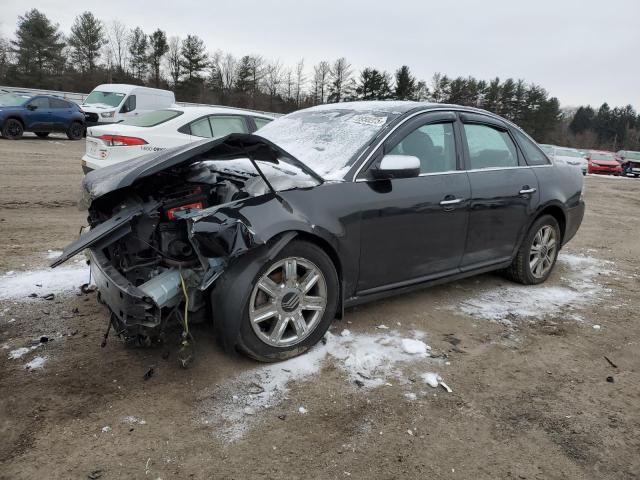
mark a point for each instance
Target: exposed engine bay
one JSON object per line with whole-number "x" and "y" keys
{"x": 150, "y": 264}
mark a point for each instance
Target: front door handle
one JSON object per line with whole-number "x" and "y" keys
{"x": 453, "y": 201}
{"x": 526, "y": 190}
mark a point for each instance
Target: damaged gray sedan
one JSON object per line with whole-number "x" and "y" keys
{"x": 271, "y": 235}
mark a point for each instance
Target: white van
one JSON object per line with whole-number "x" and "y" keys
{"x": 112, "y": 102}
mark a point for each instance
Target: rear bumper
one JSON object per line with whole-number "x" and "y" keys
{"x": 574, "y": 220}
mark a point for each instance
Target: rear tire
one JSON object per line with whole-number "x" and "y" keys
{"x": 301, "y": 327}
{"x": 12, "y": 129}
{"x": 75, "y": 131}
{"x": 538, "y": 253}
{"x": 42, "y": 134}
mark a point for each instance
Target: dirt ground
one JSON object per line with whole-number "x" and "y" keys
{"x": 530, "y": 397}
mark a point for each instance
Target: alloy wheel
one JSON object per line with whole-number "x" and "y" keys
{"x": 288, "y": 302}
{"x": 543, "y": 251}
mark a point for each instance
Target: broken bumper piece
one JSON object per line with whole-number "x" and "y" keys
{"x": 135, "y": 309}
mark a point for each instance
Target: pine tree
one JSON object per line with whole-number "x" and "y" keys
{"x": 138, "y": 44}
{"x": 244, "y": 76}
{"x": 582, "y": 120}
{"x": 38, "y": 45}
{"x": 158, "y": 48}
{"x": 406, "y": 84}
{"x": 340, "y": 76}
{"x": 373, "y": 85}
{"x": 194, "y": 56}
{"x": 86, "y": 39}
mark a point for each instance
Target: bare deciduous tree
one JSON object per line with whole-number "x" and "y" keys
{"x": 273, "y": 79}
{"x": 117, "y": 43}
{"x": 320, "y": 81}
{"x": 173, "y": 60}
{"x": 300, "y": 79}
{"x": 228, "y": 71}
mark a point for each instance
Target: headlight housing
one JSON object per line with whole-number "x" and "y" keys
{"x": 107, "y": 114}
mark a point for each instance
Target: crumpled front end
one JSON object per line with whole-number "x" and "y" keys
{"x": 158, "y": 245}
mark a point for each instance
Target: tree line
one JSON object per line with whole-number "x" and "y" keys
{"x": 41, "y": 56}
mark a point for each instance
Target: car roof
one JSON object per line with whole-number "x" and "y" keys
{"x": 195, "y": 112}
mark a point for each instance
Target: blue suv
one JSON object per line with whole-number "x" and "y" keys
{"x": 40, "y": 114}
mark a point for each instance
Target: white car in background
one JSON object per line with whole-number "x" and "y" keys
{"x": 171, "y": 127}
{"x": 571, "y": 156}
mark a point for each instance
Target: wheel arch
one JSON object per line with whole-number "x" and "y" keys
{"x": 557, "y": 212}
{"x": 18, "y": 118}
{"x": 327, "y": 248}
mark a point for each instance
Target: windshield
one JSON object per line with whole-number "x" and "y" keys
{"x": 631, "y": 155}
{"x": 8, "y": 100}
{"x": 108, "y": 98}
{"x": 328, "y": 139}
{"x": 563, "y": 152}
{"x": 151, "y": 119}
{"x": 602, "y": 156}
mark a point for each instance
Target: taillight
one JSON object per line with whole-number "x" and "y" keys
{"x": 121, "y": 140}
{"x": 171, "y": 213}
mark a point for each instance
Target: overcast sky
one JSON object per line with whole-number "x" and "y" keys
{"x": 581, "y": 51}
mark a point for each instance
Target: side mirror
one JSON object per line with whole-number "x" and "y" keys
{"x": 32, "y": 107}
{"x": 397, "y": 166}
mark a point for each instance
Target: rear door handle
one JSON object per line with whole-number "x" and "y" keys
{"x": 454, "y": 201}
{"x": 526, "y": 190}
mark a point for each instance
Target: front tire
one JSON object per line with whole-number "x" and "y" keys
{"x": 288, "y": 306}
{"x": 538, "y": 253}
{"x": 75, "y": 131}
{"x": 12, "y": 129}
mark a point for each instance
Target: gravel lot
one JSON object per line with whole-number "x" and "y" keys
{"x": 527, "y": 367}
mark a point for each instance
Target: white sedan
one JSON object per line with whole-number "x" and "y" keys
{"x": 171, "y": 127}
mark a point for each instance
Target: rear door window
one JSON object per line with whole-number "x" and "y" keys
{"x": 224, "y": 125}
{"x": 490, "y": 147}
{"x": 57, "y": 103}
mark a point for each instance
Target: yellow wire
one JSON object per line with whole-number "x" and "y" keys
{"x": 186, "y": 305}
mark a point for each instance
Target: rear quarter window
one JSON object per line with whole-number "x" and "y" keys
{"x": 532, "y": 153}
{"x": 261, "y": 122}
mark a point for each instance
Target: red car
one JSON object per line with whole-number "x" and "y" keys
{"x": 603, "y": 162}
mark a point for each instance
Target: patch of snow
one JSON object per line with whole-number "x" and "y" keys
{"x": 106, "y": 429}
{"x": 302, "y": 410}
{"x": 370, "y": 359}
{"x": 596, "y": 327}
{"x": 382, "y": 327}
{"x": 578, "y": 288}
{"x": 53, "y": 253}
{"x": 58, "y": 280}
{"x": 36, "y": 363}
{"x": 345, "y": 333}
{"x": 432, "y": 379}
{"x": 21, "y": 352}
{"x": 131, "y": 420}
{"x": 414, "y": 347}
{"x": 10, "y": 273}
{"x": 410, "y": 396}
